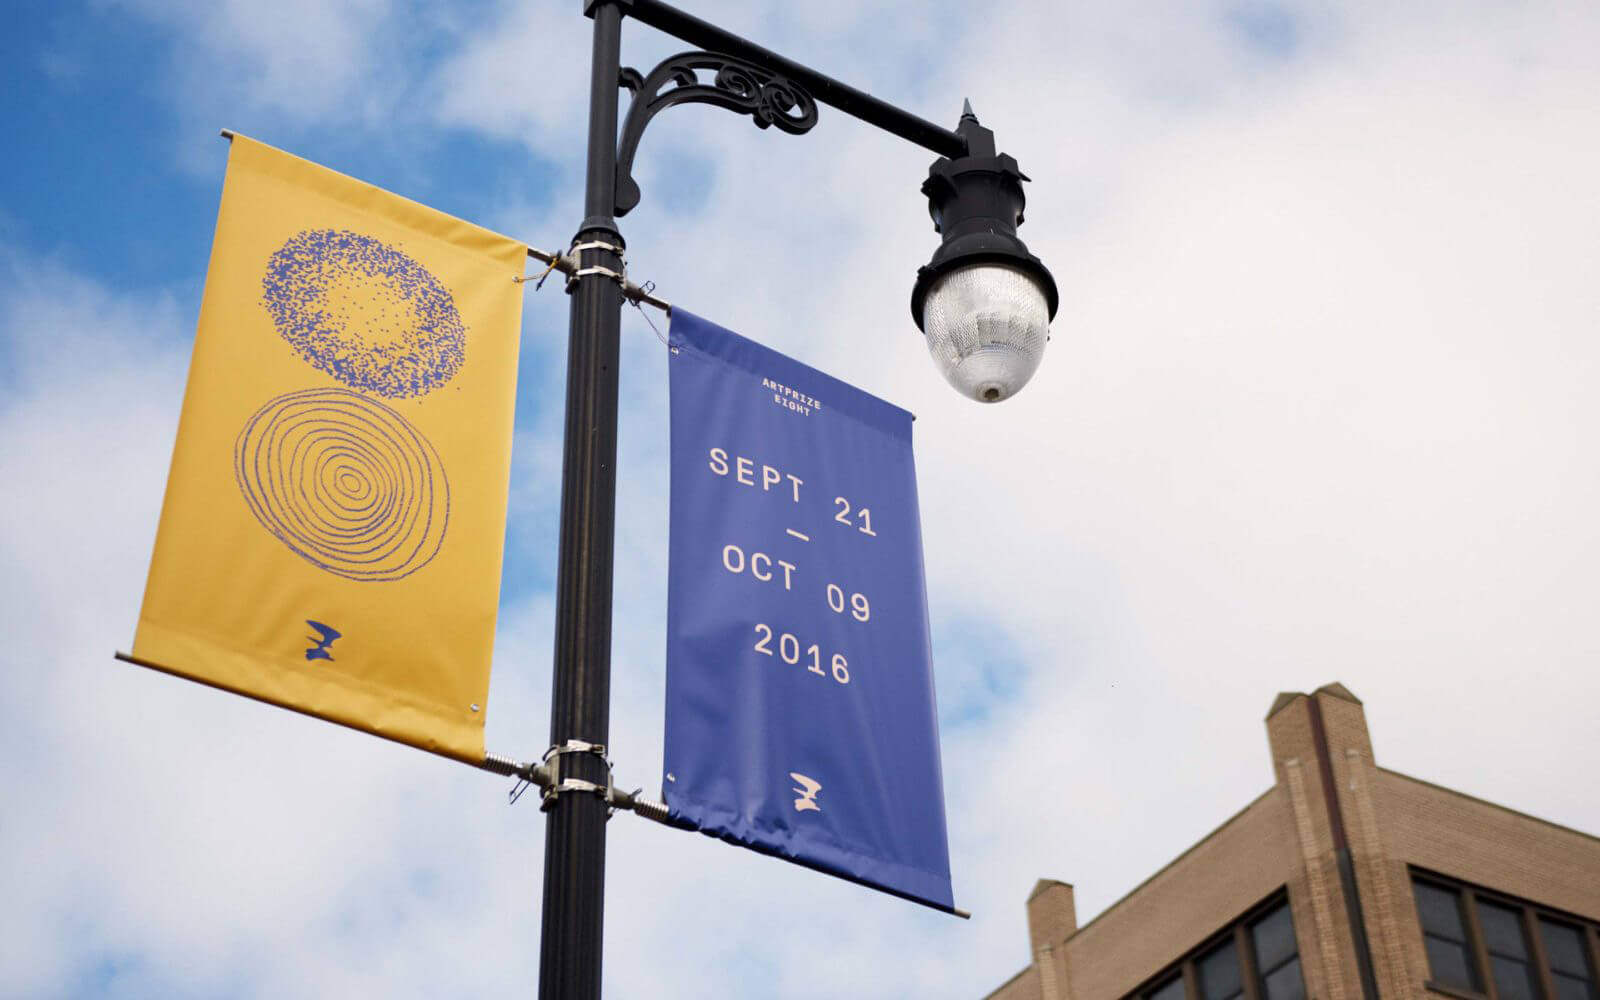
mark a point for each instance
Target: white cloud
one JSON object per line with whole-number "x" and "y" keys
{"x": 515, "y": 78}
{"x": 1316, "y": 408}
{"x": 295, "y": 55}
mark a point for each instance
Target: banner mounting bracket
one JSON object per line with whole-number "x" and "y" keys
{"x": 552, "y": 785}
{"x": 567, "y": 263}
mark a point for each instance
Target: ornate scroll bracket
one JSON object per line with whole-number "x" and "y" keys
{"x": 738, "y": 86}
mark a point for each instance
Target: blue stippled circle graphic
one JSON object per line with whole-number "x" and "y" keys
{"x": 348, "y": 484}
{"x": 364, "y": 312}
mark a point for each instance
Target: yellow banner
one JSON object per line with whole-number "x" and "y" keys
{"x": 335, "y": 514}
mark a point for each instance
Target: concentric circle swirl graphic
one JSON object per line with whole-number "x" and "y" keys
{"x": 364, "y": 312}
{"x": 345, "y": 482}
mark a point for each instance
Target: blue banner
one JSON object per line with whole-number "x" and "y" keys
{"x": 800, "y": 706}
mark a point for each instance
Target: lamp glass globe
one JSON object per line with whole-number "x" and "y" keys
{"x": 986, "y": 326}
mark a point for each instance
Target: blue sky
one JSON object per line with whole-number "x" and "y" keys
{"x": 1318, "y": 406}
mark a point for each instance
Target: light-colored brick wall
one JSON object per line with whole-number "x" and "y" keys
{"x": 1052, "y": 918}
{"x": 1052, "y": 914}
{"x": 1490, "y": 846}
{"x": 1237, "y": 866}
{"x": 1477, "y": 842}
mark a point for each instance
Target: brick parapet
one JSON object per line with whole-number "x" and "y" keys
{"x": 1052, "y": 914}
{"x": 1317, "y": 897}
{"x": 1382, "y": 889}
{"x": 1490, "y": 846}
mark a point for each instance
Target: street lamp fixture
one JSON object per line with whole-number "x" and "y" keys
{"x": 984, "y": 302}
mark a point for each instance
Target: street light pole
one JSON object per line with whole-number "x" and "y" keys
{"x": 580, "y": 707}
{"x": 774, "y": 91}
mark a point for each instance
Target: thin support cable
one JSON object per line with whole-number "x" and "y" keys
{"x": 650, "y": 286}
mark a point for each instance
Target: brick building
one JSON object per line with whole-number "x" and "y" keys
{"x": 1343, "y": 881}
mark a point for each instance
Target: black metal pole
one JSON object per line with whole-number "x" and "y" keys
{"x": 575, "y": 831}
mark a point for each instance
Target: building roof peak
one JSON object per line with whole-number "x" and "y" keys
{"x": 1332, "y": 690}
{"x": 1338, "y": 690}
{"x": 1046, "y": 883}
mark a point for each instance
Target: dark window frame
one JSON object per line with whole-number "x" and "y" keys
{"x": 1530, "y": 913}
{"x": 1236, "y": 930}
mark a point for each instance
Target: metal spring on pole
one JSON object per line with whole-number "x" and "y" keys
{"x": 648, "y": 808}
{"x": 651, "y": 810}
{"x": 501, "y": 765}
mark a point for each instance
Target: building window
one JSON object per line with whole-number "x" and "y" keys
{"x": 1219, "y": 972}
{"x": 1254, "y": 958}
{"x": 1168, "y": 991}
{"x": 1482, "y": 944}
{"x": 1277, "y": 960}
{"x": 1444, "y": 936}
{"x": 1572, "y": 974}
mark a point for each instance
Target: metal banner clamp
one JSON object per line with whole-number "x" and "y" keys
{"x": 558, "y": 785}
{"x": 567, "y": 264}
{"x": 547, "y": 776}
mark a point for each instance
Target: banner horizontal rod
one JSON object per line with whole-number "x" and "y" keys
{"x": 505, "y": 766}
{"x": 648, "y": 808}
{"x": 568, "y": 266}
